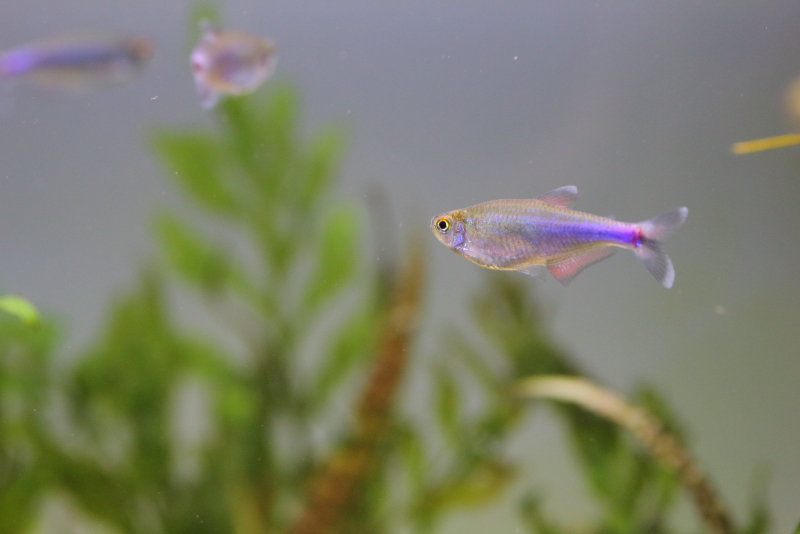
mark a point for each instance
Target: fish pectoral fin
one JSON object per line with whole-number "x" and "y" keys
{"x": 565, "y": 271}
{"x": 563, "y": 197}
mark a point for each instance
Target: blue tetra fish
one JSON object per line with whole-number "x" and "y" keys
{"x": 77, "y": 62}
{"x": 523, "y": 235}
{"x": 230, "y": 63}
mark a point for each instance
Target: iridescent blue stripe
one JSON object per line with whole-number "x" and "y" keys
{"x": 24, "y": 60}
{"x": 19, "y": 61}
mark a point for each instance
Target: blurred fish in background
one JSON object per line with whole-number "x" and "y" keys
{"x": 230, "y": 63}
{"x": 78, "y": 62}
{"x": 792, "y": 106}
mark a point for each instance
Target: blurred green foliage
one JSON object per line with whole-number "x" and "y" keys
{"x": 223, "y": 387}
{"x": 20, "y": 307}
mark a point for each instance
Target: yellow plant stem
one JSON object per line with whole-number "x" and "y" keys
{"x": 767, "y": 143}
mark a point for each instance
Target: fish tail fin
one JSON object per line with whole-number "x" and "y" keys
{"x": 653, "y": 234}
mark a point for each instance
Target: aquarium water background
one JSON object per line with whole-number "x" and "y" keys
{"x": 449, "y": 104}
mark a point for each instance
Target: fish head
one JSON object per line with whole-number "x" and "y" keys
{"x": 449, "y": 229}
{"x": 140, "y": 48}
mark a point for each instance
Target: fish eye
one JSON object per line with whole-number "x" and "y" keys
{"x": 443, "y": 225}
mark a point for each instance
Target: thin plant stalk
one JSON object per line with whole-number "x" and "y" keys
{"x": 647, "y": 428}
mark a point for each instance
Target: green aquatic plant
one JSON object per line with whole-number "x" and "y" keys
{"x": 21, "y": 307}
{"x": 26, "y": 365}
{"x": 253, "y": 381}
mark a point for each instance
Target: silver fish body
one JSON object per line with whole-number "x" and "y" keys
{"x": 230, "y": 63}
{"x": 523, "y": 235}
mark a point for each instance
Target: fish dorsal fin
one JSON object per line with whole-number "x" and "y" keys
{"x": 563, "y": 197}
{"x": 567, "y": 270}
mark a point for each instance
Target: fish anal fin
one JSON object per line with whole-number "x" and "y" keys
{"x": 208, "y": 97}
{"x": 565, "y": 271}
{"x": 532, "y": 270}
{"x": 563, "y": 197}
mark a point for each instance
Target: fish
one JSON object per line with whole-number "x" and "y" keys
{"x": 77, "y": 62}
{"x": 230, "y": 63}
{"x": 524, "y": 235}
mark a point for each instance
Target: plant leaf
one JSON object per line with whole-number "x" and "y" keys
{"x": 194, "y": 260}
{"x": 194, "y": 159}
{"x": 534, "y": 518}
{"x": 20, "y": 307}
{"x": 322, "y": 162}
{"x": 447, "y": 403}
{"x": 349, "y": 347}
{"x": 482, "y": 483}
{"x": 338, "y": 254}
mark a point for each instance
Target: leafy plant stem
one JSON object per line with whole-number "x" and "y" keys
{"x": 337, "y": 486}
{"x": 646, "y": 428}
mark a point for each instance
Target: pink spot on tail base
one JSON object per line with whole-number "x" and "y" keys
{"x": 637, "y": 237}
